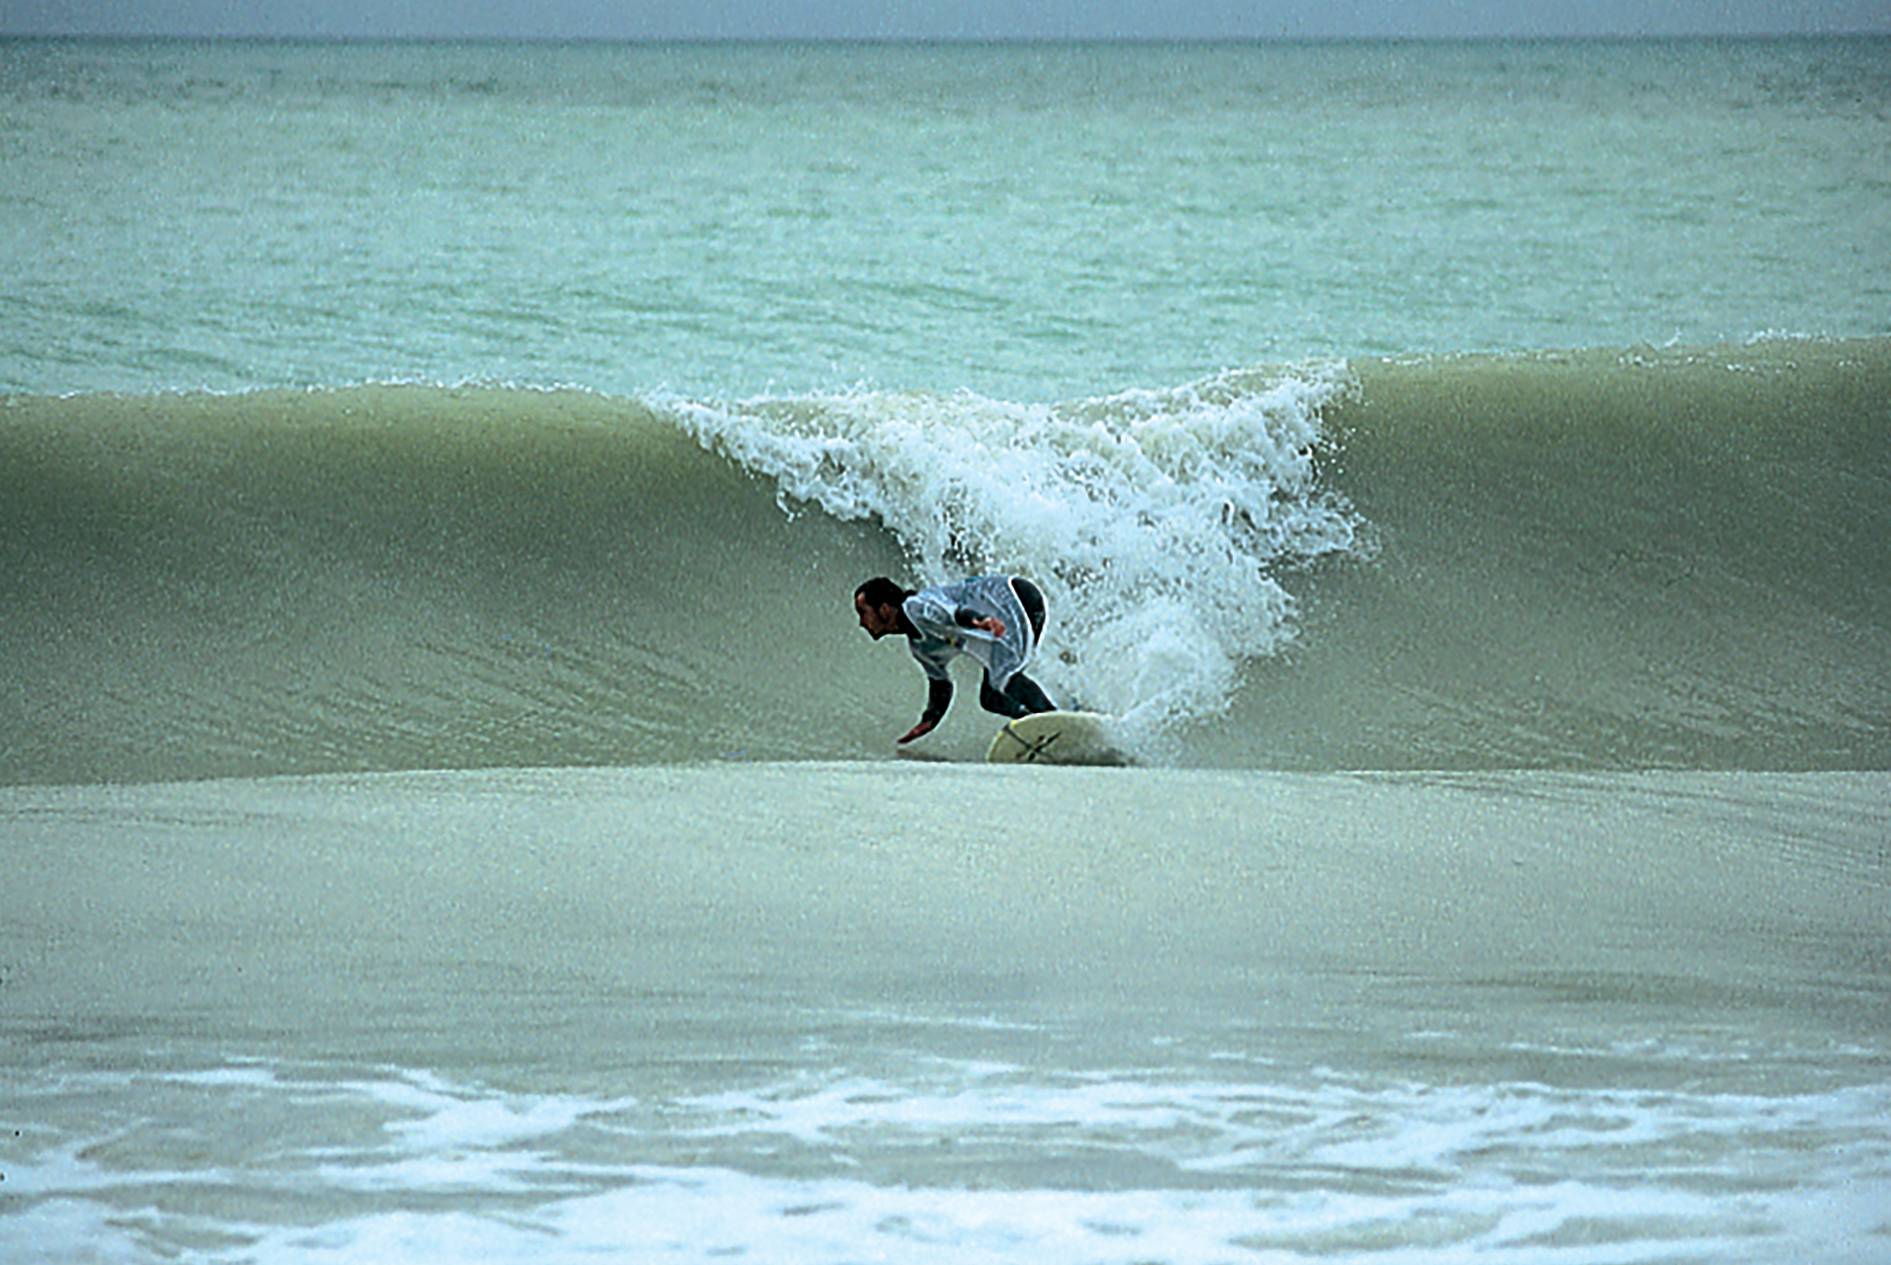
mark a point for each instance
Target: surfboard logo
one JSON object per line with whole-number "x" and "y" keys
{"x": 1033, "y": 747}
{"x": 1057, "y": 738}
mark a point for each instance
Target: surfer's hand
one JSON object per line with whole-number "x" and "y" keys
{"x": 920, "y": 730}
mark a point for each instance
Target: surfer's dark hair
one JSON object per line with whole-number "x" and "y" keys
{"x": 882, "y": 591}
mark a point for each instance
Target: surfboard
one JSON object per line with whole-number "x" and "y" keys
{"x": 1057, "y": 738}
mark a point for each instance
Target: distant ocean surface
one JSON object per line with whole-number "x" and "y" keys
{"x": 448, "y": 811}
{"x": 1028, "y": 222}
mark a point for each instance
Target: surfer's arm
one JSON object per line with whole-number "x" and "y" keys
{"x": 966, "y": 618}
{"x": 936, "y": 616}
{"x": 938, "y": 698}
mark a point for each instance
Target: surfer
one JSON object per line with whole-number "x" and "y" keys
{"x": 996, "y": 619}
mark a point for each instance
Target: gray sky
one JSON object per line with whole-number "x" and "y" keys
{"x": 931, "y": 19}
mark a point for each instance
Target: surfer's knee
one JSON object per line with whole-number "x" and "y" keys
{"x": 999, "y": 704}
{"x": 1029, "y": 696}
{"x": 1021, "y": 697}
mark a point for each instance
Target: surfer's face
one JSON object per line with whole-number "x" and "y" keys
{"x": 877, "y": 620}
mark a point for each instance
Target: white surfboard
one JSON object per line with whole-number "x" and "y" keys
{"x": 1057, "y": 738}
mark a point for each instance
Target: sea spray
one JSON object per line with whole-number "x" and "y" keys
{"x": 1157, "y": 521}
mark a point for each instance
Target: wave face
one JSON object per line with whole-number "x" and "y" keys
{"x": 1635, "y": 558}
{"x": 1606, "y": 559}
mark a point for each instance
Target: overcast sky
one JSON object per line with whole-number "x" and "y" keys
{"x": 932, "y": 19}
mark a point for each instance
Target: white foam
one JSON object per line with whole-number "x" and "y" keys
{"x": 1157, "y": 522}
{"x": 701, "y": 1214}
{"x": 976, "y": 1161}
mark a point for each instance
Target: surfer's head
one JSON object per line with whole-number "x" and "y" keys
{"x": 877, "y": 603}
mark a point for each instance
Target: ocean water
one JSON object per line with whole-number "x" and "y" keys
{"x": 448, "y": 812}
{"x": 1036, "y": 222}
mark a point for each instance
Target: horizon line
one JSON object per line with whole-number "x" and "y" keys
{"x": 1355, "y": 38}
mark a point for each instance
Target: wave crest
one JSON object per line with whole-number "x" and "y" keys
{"x": 1157, "y": 522}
